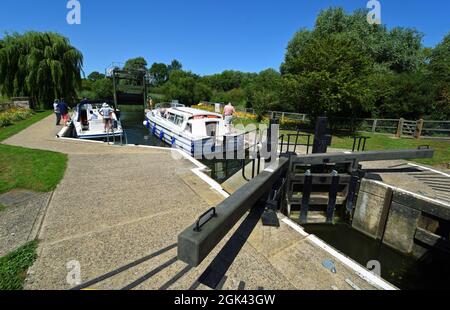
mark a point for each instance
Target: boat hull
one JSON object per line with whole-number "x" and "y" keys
{"x": 195, "y": 147}
{"x": 99, "y": 136}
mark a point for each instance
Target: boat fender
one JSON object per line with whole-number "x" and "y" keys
{"x": 192, "y": 148}
{"x": 173, "y": 141}
{"x": 161, "y": 135}
{"x": 154, "y": 129}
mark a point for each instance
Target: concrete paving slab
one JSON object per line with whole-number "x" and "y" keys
{"x": 310, "y": 273}
{"x": 19, "y": 220}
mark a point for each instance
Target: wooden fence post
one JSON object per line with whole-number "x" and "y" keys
{"x": 400, "y": 128}
{"x": 374, "y": 126}
{"x": 419, "y": 129}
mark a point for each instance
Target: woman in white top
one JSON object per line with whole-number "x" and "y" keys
{"x": 106, "y": 112}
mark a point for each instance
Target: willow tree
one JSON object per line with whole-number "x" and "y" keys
{"x": 43, "y": 66}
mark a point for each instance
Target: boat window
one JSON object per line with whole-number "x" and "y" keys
{"x": 211, "y": 129}
{"x": 189, "y": 128}
{"x": 172, "y": 117}
{"x": 179, "y": 120}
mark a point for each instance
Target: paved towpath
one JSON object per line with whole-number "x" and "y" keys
{"x": 124, "y": 206}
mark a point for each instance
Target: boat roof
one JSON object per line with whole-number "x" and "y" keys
{"x": 194, "y": 112}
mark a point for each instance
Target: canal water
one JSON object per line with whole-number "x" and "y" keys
{"x": 431, "y": 271}
{"x": 132, "y": 118}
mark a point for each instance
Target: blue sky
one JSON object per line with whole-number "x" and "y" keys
{"x": 207, "y": 36}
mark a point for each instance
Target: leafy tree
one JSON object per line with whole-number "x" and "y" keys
{"x": 262, "y": 102}
{"x": 159, "y": 73}
{"x": 227, "y": 80}
{"x": 138, "y": 63}
{"x": 40, "y": 65}
{"x": 237, "y": 96}
{"x": 295, "y": 50}
{"x": 440, "y": 75}
{"x": 185, "y": 87}
{"x": 85, "y": 91}
{"x": 175, "y": 65}
{"x": 347, "y": 67}
{"x": 402, "y": 95}
{"x": 264, "y": 86}
{"x": 95, "y": 76}
{"x": 202, "y": 92}
{"x": 330, "y": 77}
{"x": 103, "y": 88}
{"x": 399, "y": 49}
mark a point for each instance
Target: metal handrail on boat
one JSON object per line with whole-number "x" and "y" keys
{"x": 167, "y": 105}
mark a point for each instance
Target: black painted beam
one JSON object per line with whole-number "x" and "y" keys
{"x": 194, "y": 246}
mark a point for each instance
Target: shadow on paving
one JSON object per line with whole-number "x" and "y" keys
{"x": 214, "y": 275}
{"x": 131, "y": 265}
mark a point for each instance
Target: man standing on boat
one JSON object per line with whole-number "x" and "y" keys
{"x": 228, "y": 112}
{"x": 106, "y": 112}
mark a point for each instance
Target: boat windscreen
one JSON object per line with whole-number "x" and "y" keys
{"x": 166, "y": 105}
{"x": 205, "y": 116}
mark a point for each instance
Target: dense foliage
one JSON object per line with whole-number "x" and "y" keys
{"x": 39, "y": 65}
{"x": 347, "y": 67}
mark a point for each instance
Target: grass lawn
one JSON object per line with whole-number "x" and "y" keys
{"x": 379, "y": 142}
{"x": 26, "y": 168}
{"x": 30, "y": 169}
{"x": 13, "y": 266}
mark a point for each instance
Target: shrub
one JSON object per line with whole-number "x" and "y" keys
{"x": 11, "y": 116}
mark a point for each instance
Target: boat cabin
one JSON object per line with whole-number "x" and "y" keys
{"x": 193, "y": 122}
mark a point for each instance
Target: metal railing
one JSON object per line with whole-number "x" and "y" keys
{"x": 424, "y": 128}
{"x": 295, "y": 142}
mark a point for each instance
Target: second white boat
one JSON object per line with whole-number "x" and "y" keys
{"x": 197, "y": 132}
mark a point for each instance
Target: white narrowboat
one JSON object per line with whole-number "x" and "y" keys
{"x": 197, "y": 132}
